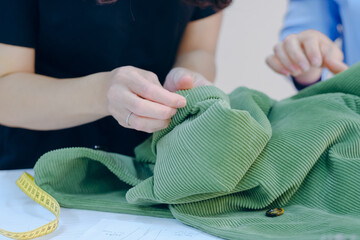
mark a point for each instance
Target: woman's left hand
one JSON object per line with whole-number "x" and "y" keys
{"x": 181, "y": 79}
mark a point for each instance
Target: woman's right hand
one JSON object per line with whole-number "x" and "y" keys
{"x": 303, "y": 56}
{"x": 138, "y": 95}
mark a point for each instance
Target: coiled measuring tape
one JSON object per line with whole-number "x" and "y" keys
{"x": 27, "y": 184}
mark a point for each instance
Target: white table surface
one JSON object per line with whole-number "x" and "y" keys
{"x": 19, "y": 213}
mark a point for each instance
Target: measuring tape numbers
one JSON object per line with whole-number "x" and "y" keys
{"x": 27, "y": 184}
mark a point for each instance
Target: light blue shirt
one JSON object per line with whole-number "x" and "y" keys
{"x": 334, "y": 18}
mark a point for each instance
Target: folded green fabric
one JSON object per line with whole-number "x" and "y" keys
{"x": 224, "y": 160}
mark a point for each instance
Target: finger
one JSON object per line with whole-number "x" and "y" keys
{"x": 179, "y": 79}
{"x": 333, "y": 59}
{"x": 143, "y": 124}
{"x": 285, "y": 60}
{"x": 296, "y": 54}
{"x": 312, "y": 51}
{"x": 185, "y": 82}
{"x": 335, "y": 66}
{"x": 155, "y": 93}
{"x": 146, "y": 108}
{"x": 274, "y": 63}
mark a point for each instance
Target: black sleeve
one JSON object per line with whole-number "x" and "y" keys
{"x": 200, "y": 13}
{"x": 300, "y": 86}
{"x": 18, "y": 22}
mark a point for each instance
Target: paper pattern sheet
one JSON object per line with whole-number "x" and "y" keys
{"x": 108, "y": 229}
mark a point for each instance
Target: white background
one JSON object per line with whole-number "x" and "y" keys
{"x": 250, "y": 30}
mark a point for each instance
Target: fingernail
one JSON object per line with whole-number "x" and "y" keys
{"x": 304, "y": 66}
{"x": 181, "y": 103}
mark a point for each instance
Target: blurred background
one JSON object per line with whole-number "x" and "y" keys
{"x": 250, "y": 30}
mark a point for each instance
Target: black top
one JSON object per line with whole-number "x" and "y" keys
{"x": 73, "y": 38}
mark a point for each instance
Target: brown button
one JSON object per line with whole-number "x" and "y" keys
{"x": 274, "y": 212}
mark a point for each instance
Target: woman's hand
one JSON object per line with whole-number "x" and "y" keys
{"x": 182, "y": 78}
{"x": 136, "y": 99}
{"x": 304, "y": 55}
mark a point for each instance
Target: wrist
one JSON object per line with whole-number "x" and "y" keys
{"x": 97, "y": 84}
{"x": 308, "y": 78}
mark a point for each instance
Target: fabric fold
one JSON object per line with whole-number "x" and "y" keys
{"x": 225, "y": 159}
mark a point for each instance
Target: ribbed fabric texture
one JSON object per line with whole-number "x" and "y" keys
{"x": 224, "y": 160}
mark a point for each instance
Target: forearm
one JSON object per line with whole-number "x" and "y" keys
{"x": 43, "y": 103}
{"x": 199, "y": 61}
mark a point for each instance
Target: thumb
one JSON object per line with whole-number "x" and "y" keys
{"x": 335, "y": 66}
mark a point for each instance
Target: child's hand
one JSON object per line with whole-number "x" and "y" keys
{"x": 303, "y": 56}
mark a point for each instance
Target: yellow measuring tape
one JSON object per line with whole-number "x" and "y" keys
{"x": 27, "y": 184}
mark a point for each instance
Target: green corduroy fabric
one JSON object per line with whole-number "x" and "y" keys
{"x": 225, "y": 159}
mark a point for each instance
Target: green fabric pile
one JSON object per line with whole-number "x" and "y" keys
{"x": 224, "y": 160}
